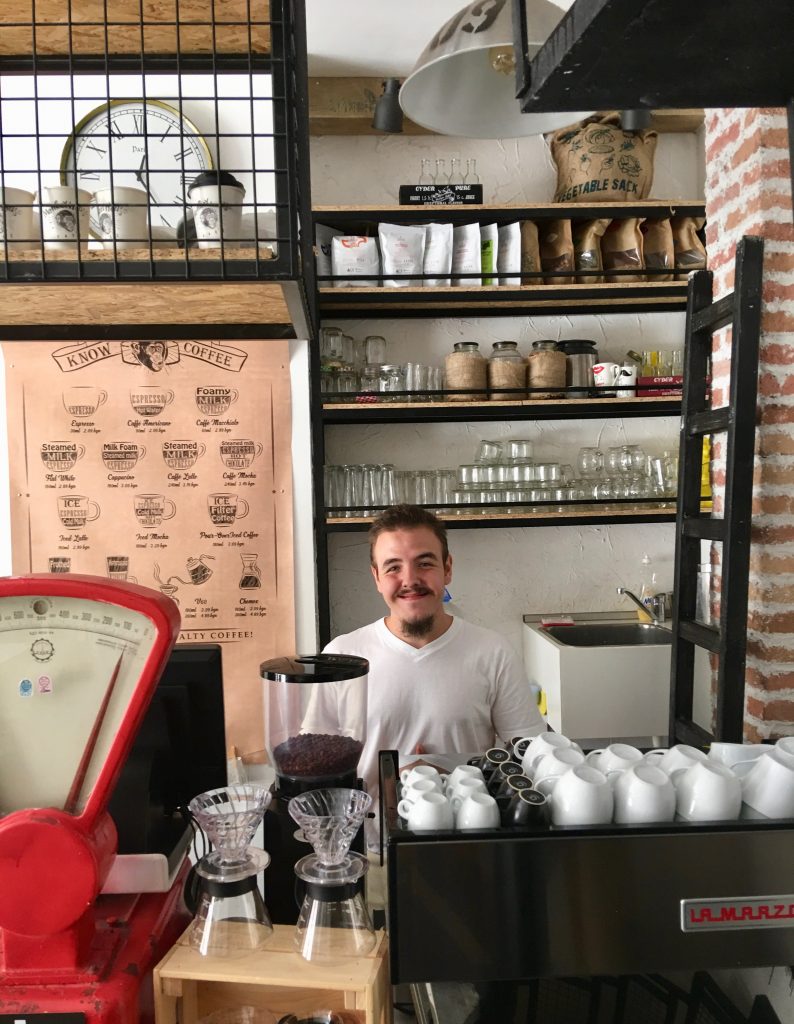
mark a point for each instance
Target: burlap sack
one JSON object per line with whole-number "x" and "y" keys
{"x": 598, "y": 162}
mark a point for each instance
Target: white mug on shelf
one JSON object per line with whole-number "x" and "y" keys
{"x": 412, "y": 793}
{"x": 614, "y": 758}
{"x": 410, "y": 775}
{"x": 680, "y": 756}
{"x": 121, "y": 214}
{"x": 16, "y": 219}
{"x": 555, "y": 763}
{"x": 428, "y": 812}
{"x": 627, "y": 380}
{"x": 478, "y": 810}
{"x": 769, "y": 786}
{"x": 581, "y": 796}
{"x": 466, "y": 785}
{"x": 462, "y": 771}
{"x": 604, "y": 375}
{"x": 707, "y": 791}
{"x": 64, "y": 216}
{"x": 643, "y": 794}
{"x": 542, "y": 744}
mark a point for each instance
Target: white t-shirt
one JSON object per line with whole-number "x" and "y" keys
{"x": 455, "y": 695}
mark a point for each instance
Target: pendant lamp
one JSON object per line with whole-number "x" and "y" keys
{"x": 464, "y": 82}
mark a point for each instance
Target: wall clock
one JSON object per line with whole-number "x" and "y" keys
{"x": 137, "y": 143}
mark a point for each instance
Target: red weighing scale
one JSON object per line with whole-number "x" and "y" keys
{"x": 80, "y": 657}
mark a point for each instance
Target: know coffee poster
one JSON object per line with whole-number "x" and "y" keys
{"x": 166, "y": 463}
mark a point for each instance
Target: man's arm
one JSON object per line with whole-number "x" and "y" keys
{"x": 514, "y": 711}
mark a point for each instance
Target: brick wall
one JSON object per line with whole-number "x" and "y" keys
{"x": 748, "y": 192}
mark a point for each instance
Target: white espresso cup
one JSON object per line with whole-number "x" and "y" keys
{"x": 784, "y": 748}
{"x": 216, "y": 198}
{"x": 581, "y": 796}
{"x": 465, "y": 787}
{"x": 64, "y": 216}
{"x": 554, "y": 764}
{"x": 707, "y": 791}
{"x": 679, "y": 756}
{"x": 614, "y": 758}
{"x": 769, "y": 786}
{"x": 16, "y": 218}
{"x": 428, "y": 812}
{"x": 627, "y": 380}
{"x": 734, "y": 753}
{"x": 478, "y": 810}
{"x": 462, "y": 771}
{"x": 542, "y": 744}
{"x": 411, "y": 775}
{"x": 644, "y": 794}
{"x": 412, "y": 793}
{"x": 121, "y": 214}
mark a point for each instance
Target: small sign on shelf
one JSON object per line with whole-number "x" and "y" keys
{"x": 440, "y": 195}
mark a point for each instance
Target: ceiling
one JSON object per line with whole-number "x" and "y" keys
{"x": 374, "y": 37}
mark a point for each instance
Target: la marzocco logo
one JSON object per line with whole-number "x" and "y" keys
{"x": 750, "y": 912}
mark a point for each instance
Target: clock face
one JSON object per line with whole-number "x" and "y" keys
{"x": 148, "y": 145}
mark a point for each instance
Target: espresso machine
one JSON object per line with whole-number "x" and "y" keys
{"x": 316, "y": 709}
{"x": 81, "y": 657}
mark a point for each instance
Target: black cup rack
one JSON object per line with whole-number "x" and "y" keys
{"x": 510, "y": 904}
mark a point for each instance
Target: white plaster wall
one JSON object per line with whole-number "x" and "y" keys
{"x": 500, "y": 574}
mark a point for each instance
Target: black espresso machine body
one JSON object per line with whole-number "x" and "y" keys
{"x": 316, "y": 728}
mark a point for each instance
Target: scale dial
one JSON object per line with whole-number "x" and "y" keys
{"x": 77, "y": 669}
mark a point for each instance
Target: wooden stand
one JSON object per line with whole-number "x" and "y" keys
{"x": 188, "y": 986}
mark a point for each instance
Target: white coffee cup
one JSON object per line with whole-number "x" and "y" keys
{"x": 410, "y": 775}
{"x": 679, "y": 756}
{"x": 16, "y": 219}
{"x": 627, "y": 380}
{"x": 121, "y": 213}
{"x": 769, "y": 786}
{"x": 478, "y": 810}
{"x": 605, "y": 374}
{"x": 554, "y": 764}
{"x": 412, "y": 793}
{"x": 614, "y": 758}
{"x": 581, "y": 796}
{"x": 707, "y": 791}
{"x": 64, "y": 216}
{"x": 784, "y": 748}
{"x": 644, "y": 794}
{"x": 462, "y": 771}
{"x": 464, "y": 787}
{"x": 542, "y": 744}
{"x": 733, "y": 753}
{"x": 430, "y": 811}
{"x": 216, "y": 198}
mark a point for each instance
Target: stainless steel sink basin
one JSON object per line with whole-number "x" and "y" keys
{"x": 609, "y": 634}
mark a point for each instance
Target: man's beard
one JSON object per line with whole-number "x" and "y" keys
{"x": 419, "y": 627}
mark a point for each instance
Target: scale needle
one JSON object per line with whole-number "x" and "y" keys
{"x": 88, "y": 753}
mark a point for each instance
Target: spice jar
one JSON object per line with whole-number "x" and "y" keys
{"x": 507, "y": 368}
{"x": 547, "y": 366}
{"x": 466, "y": 368}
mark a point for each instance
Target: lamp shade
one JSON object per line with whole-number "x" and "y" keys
{"x": 464, "y": 81}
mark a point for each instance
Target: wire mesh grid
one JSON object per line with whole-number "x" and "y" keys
{"x": 149, "y": 138}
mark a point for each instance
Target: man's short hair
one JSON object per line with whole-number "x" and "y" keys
{"x": 407, "y": 517}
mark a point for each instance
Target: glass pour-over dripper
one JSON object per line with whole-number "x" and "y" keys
{"x": 333, "y": 921}
{"x": 231, "y": 919}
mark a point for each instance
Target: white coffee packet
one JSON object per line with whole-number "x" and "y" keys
{"x": 402, "y": 249}
{"x": 438, "y": 254}
{"x": 489, "y": 242}
{"x": 466, "y": 255}
{"x": 508, "y": 258}
{"x": 323, "y": 236}
{"x": 355, "y": 256}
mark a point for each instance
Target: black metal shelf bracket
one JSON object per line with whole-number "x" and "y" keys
{"x": 736, "y": 419}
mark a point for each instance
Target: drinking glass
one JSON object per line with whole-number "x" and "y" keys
{"x": 590, "y": 461}
{"x": 490, "y": 451}
{"x": 374, "y": 349}
{"x": 566, "y": 473}
{"x": 469, "y": 474}
{"x": 548, "y": 472}
{"x": 351, "y": 489}
{"x": 613, "y": 460}
{"x": 518, "y": 449}
{"x": 388, "y": 487}
{"x": 331, "y": 344}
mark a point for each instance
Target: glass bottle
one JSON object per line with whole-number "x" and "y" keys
{"x": 471, "y": 176}
{"x": 507, "y": 368}
{"x": 455, "y": 177}
{"x": 440, "y": 177}
{"x": 466, "y": 368}
{"x": 374, "y": 349}
{"x": 425, "y": 177}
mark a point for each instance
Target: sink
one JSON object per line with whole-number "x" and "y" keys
{"x": 609, "y": 634}
{"x": 606, "y": 676}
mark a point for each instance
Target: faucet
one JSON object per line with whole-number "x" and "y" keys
{"x": 656, "y": 606}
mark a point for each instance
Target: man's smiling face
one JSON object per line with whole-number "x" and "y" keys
{"x": 411, "y": 575}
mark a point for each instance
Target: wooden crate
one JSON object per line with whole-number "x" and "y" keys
{"x": 188, "y": 986}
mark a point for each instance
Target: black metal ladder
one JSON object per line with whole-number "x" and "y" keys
{"x": 736, "y": 418}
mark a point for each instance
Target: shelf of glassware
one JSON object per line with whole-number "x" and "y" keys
{"x": 413, "y": 408}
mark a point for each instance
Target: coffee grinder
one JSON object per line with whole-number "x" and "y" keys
{"x": 316, "y": 708}
{"x": 81, "y": 658}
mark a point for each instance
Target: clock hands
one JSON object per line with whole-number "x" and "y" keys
{"x": 139, "y": 174}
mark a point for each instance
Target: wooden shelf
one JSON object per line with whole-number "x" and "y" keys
{"x": 159, "y": 252}
{"x": 588, "y": 515}
{"x": 451, "y": 412}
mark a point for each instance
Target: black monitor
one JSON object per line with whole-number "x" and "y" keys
{"x": 179, "y": 751}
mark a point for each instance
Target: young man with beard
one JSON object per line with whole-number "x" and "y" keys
{"x": 437, "y": 684}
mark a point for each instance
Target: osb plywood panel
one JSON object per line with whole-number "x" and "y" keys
{"x": 167, "y": 26}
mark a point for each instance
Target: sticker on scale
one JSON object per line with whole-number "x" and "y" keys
{"x": 25, "y": 688}
{"x": 44, "y": 684}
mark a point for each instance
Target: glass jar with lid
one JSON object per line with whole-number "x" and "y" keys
{"x": 369, "y": 383}
{"x": 392, "y": 378}
{"x": 466, "y": 373}
{"x": 507, "y": 368}
{"x": 375, "y": 349}
{"x": 547, "y": 366}
{"x": 331, "y": 347}
{"x": 346, "y": 381}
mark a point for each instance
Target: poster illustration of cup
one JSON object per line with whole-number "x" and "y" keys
{"x": 83, "y": 400}
{"x": 75, "y": 510}
{"x": 182, "y": 454}
{"x": 118, "y": 568}
{"x": 239, "y": 453}
{"x": 224, "y": 509}
{"x": 60, "y": 456}
{"x": 59, "y": 564}
{"x": 121, "y": 456}
{"x": 152, "y": 509}
{"x": 215, "y": 401}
